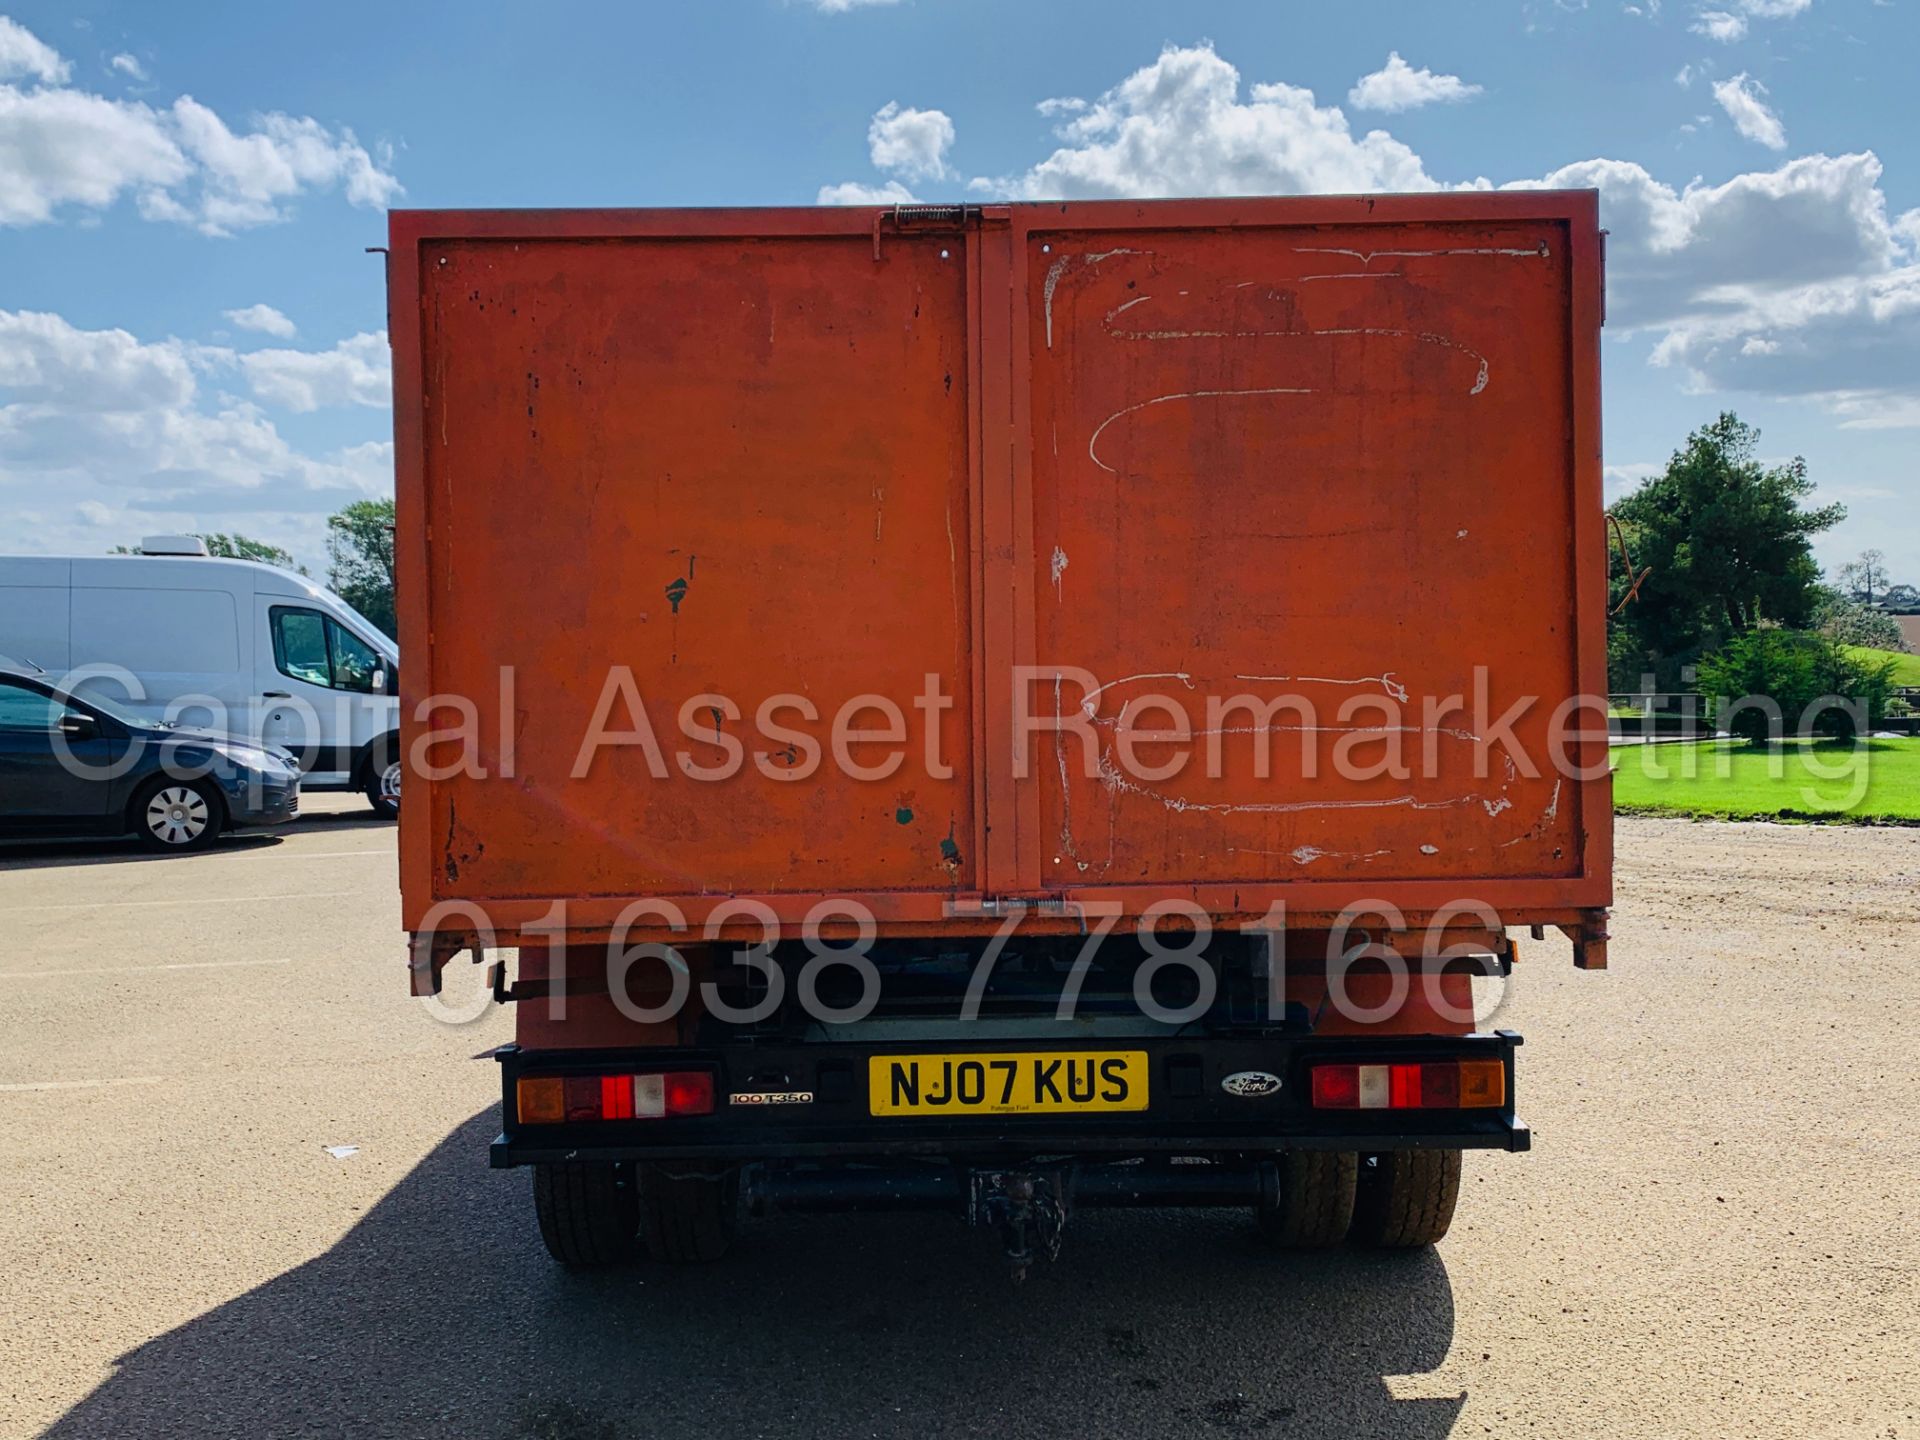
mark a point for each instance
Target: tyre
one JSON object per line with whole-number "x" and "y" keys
{"x": 175, "y": 816}
{"x": 1314, "y": 1205}
{"x": 382, "y": 784}
{"x": 687, "y": 1211}
{"x": 589, "y": 1213}
{"x": 1406, "y": 1197}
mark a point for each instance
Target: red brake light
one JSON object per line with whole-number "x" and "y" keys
{"x": 616, "y": 1097}
{"x": 1436, "y": 1085}
{"x": 690, "y": 1092}
{"x": 1336, "y": 1087}
{"x": 1403, "y": 1087}
{"x": 576, "y": 1099}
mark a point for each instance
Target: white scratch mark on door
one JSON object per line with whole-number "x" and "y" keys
{"x": 1093, "y": 440}
{"x": 1386, "y": 682}
{"x": 1057, "y": 271}
{"x": 1091, "y": 702}
{"x": 1367, "y": 257}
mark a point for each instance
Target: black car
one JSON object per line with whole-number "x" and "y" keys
{"x": 70, "y": 766}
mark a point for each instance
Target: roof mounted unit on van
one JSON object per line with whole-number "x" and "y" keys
{"x": 173, "y": 545}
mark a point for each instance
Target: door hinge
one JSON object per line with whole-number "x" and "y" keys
{"x": 907, "y": 218}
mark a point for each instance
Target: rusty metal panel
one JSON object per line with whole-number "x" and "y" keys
{"x": 737, "y": 467}
{"x": 1327, "y": 461}
{"x": 1183, "y": 447}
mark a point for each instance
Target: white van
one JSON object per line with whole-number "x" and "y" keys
{"x": 248, "y": 650}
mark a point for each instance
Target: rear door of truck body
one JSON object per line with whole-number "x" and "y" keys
{"x": 1058, "y": 458}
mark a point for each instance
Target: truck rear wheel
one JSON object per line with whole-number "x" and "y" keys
{"x": 687, "y": 1211}
{"x": 589, "y": 1213}
{"x": 1406, "y": 1197}
{"x": 1314, "y": 1205}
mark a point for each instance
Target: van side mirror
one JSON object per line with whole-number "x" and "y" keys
{"x": 380, "y": 681}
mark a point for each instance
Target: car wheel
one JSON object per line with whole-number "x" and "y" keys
{"x": 176, "y": 816}
{"x": 383, "y": 785}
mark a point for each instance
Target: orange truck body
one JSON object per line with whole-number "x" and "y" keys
{"x": 1046, "y": 459}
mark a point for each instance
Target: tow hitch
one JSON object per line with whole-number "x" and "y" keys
{"x": 1028, "y": 1208}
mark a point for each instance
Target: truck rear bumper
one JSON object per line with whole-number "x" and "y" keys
{"x": 1189, "y": 1111}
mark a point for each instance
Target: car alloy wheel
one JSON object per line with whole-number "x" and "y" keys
{"x": 390, "y": 783}
{"x": 177, "y": 815}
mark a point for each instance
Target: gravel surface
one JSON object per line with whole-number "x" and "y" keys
{"x": 1714, "y": 1235}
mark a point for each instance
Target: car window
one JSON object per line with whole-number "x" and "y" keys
{"x": 28, "y": 710}
{"x": 353, "y": 660}
{"x": 300, "y": 645}
{"x": 318, "y": 650}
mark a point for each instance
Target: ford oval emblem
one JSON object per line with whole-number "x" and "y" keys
{"x": 1250, "y": 1084}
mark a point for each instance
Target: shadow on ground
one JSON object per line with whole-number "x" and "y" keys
{"x": 439, "y": 1315}
{"x": 42, "y": 854}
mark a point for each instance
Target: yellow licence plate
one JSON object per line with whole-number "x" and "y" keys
{"x": 1023, "y": 1084}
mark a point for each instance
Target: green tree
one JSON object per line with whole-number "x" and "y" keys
{"x": 360, "y": 560}
{"x": 1726, "y": 543}
{"x": 1851, "y": 623}
{"x": 239, "y": 547}
{"x": 1772, "y": 683}
{"x": 1865, "y": 578}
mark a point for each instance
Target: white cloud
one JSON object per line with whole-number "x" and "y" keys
{"x": 1397, "y": 86}
{"x": 1061, "y": 105}
{"x": 840, "y": 7}
{"x": 357, "y": 371}
{"x": 264, "y": 318}
{"x": 909, "y": 142}
{"x": 129, "y": 66}
{"x": 65, "y": 147}
{"x": 855, "y": 192}
{"x": 1179, "y": 127}
{"x": 1684, "y": 77}
{"x": 1729, "y": 25}
{"x": 24, "y": 54}
{"x": 103, "y": 432}
{"x": 1720, "y": 25}
{"x": 1792, "y": 281}
{"x": 1743, "y": 98}
{"x": 44, "y": 360}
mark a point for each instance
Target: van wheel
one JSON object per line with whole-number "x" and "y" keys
{"x": 1406, "y": 1197}
{"x": 175, "y": 817}
{"x": 383, "y": 784}
{"x": 589, "y": 1213}
{"x": 687, "y": 1210}
{"x": 1314, "y": 1204}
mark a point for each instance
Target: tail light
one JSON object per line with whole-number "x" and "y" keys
{"x": 1434, "y": 1085}
{"x": 574, "y": 1099}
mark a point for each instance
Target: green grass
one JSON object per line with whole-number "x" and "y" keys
{"x": 1906, "y": 668}
{"x": 1877, "y": 782}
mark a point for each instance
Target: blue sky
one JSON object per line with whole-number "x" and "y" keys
{"x": 192, "y": 337}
